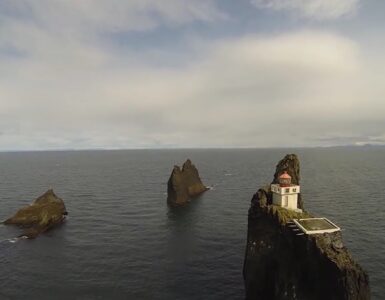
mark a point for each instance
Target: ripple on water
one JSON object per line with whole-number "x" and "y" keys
{"x": 121, "y": 241}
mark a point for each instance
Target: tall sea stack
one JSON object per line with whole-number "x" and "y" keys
{"x": 184, "y": 184}
{"x": 281, "y": 263}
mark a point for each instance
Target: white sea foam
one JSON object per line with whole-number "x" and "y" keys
{"x": 13, "y": 240}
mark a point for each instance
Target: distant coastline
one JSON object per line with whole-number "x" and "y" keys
{"x": 354, "y": 146}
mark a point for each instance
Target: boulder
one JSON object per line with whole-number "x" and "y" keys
{"x": 45, "y": 212}
{"x": 184, "y": 184}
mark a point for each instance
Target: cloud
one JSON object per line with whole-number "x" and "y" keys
{"x": 109, "y": 16}
{"x": 238, "y": 92}
{"x": 313, "y": 9}
{"x": 65, "y": 85}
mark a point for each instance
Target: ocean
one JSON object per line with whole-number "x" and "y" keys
{"x": 122, "y": 241}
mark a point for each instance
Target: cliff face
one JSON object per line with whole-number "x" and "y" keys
{"x": 279, "y": 264}
{"x": 45, "y": 212}
{"x": 184, "y": 184}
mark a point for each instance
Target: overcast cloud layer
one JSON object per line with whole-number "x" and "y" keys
{"x": 180, "y": 73}
{"x": 317, "y": 9}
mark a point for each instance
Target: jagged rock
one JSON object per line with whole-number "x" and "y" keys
{"x": 184, "y": 184}
{"x": 45, "y": 212}
{"x": 282, "y": 265}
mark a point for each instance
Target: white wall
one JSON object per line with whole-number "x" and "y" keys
{"x": 292, "y": 200}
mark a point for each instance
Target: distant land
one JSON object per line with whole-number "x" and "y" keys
{"x": 366, "y": 145}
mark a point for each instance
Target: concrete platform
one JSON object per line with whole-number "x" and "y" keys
{"x": 316, "y": 225}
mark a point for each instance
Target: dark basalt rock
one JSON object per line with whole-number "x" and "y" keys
{"x": 282, "y": 265}
{"x": 43, "y": 214}
{"x": 184, "y": 184}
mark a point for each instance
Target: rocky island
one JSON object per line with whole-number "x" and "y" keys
{"x": 184, "y": 184}
{"x": 284, "y": 262}
{"x": 44, "y": 213}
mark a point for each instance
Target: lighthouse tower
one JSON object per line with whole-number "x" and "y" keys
{"x": 285, "y": 194}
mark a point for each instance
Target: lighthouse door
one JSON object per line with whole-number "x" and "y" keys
{"x": 286, "y": 201}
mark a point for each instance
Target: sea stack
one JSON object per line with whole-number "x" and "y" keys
{"x": 45, "y": 212}
{"x": 292, "y": 255}
{"x": 184, "y": 184}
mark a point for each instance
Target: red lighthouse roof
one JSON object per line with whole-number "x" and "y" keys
{"x": 284, "y": 175}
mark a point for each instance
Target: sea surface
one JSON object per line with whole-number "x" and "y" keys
{"x": 121, "y": 241}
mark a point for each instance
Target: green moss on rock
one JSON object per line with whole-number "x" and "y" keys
{"x": 44, "y": 213}
{"x": 281, "y": 264}
{"x": 283, "y": 215}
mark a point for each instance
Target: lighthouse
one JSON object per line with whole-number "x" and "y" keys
{"x": 285, "y": 194}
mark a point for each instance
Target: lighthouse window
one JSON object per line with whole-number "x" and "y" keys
{"x": 294, "y": 190}
{"x": 287, "y": 190}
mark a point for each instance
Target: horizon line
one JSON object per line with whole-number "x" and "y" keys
{"x": 185, "y": 148}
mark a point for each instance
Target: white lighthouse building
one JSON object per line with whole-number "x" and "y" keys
{"x": 285, "y": 194}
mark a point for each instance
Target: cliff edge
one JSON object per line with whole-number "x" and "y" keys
{"x": 184, "y": 184}
{"x": 281, "y": 263}
{"x": 45, "y": 212}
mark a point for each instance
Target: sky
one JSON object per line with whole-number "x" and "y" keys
{"x": 115, "y": 74}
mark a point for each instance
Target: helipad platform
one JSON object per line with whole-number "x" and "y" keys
{"x": 316, "y": 225}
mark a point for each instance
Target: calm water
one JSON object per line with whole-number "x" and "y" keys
{"x": 121, "y": 241}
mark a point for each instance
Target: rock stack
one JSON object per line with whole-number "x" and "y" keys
{"x": 43, "y": 214}
{"x": 282, "y": 264}
{"x": 184, "y": 184}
